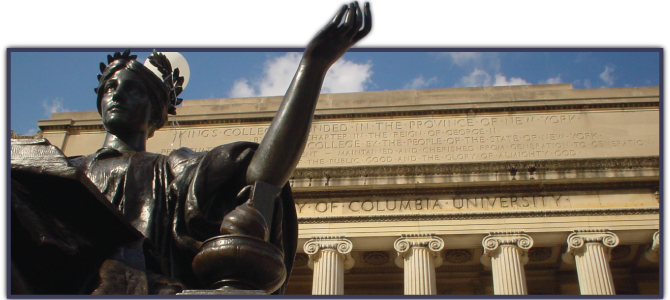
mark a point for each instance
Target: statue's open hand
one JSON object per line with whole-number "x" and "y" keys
{"x": 337, "y": 37}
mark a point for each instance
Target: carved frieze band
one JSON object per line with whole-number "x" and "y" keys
{"x": 406, "y": 242}
{"x": 480, "y": 215}
{"x": 580, "y": 237}
{"x": 496, "y": 239}
{"x": 538, "y": 166}
{"x": 341, "y": 245}
{"x": 652, "y": 253}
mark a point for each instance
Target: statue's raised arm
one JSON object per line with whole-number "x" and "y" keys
{"x": 187, "y": 222}
{"x": 283, "y": 144}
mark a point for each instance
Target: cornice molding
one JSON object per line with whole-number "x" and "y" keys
{"x": 482, "y": 215}
{"x": 533, "y": 167}
{"x": 529, "y": 186}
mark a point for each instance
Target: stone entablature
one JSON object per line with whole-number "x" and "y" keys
{"x": 501, "y": 124}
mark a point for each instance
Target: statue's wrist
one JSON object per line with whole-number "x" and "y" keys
{"x": 315, "y": 65}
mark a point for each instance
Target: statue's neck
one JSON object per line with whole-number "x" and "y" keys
{"x": 136, "y": 142}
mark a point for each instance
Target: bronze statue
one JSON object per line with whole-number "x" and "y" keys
{"x": 126, "y": 221}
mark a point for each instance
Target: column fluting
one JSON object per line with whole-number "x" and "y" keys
{"x": 590, "y": 250}
{"x": 419, "y": 255}
{"x": 507, "y": 253}
{"x": 329, "y": 257}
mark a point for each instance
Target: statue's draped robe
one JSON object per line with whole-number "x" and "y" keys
{"x": 176, "y": 202}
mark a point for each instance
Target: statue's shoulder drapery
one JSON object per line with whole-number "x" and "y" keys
{"x": 125, "y": 222}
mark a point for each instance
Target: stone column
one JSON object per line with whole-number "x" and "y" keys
{"x": 507, "y": 252}
{"x": 419, "y": 255}
{"x": 590, "y": 249}
{"x": 329, "y": 257}
{"x": 652, "y": 253}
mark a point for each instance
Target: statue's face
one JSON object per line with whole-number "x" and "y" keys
{"x": 125, "y": 104}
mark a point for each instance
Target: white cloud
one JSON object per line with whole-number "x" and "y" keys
{"x": 476, "y": 78}
{"x": 587, "y": 83}
{"x": 479, "y": 60}
{"x": 482, "y": 78}
{"x": 552, "y": 80}
{"x": 582, "y": 56}
{"x": 607, "y": 77}
{"x": 241, "y": 89}
{"x": 463, "y": 58}
{"x": 344, "y": 76}
{"x": 347, "y": 77}
{"x": 501, "y": 80}
{"x": 278, "y": 74}
{"x": 31, "y": 131}
{"x": 420, "y": 83}
{"x": 53, "y": 106}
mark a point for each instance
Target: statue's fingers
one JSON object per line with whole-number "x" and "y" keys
{"x": 359, "y": 15}
{"x": 358, "y": 21}
{"x": 367, "y": 26}
{"x": 350, "y": 18}
{"x": 337, "y": 19}
{"x": 368, "y": 17}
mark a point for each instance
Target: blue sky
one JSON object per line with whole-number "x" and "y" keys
{"x": 37, "y": 89}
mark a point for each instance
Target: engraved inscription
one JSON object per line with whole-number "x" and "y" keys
{"x": 444, "y": 139}
{"x": 469, "y": 203}
{"x": 433, "y": 204}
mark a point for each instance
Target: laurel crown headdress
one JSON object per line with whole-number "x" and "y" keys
{"x": 170, "y": 77}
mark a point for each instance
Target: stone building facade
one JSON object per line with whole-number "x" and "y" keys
{"x": 540, "y": 189}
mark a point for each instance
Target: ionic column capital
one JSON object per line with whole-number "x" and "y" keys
{"x": 518, "y": 239}
{"x": 314, "y": 247}
{"x": 652, "y": 253}
{"x": 415, "y": 240}
{"x": 580, "y": 237}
